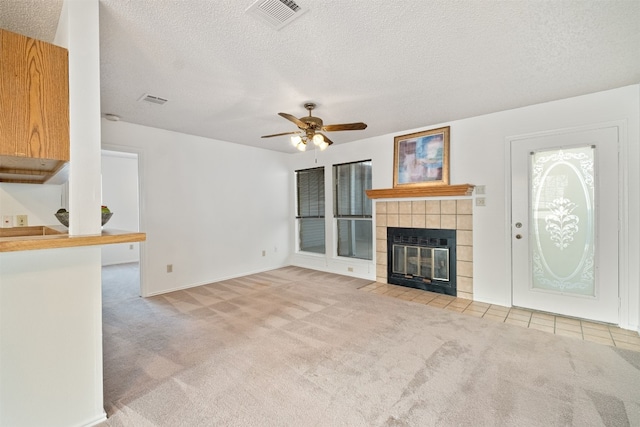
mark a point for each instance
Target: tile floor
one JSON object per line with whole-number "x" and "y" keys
{"x": 559, "y": 325}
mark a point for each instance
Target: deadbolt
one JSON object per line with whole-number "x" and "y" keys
{"x": 518, "y": 225}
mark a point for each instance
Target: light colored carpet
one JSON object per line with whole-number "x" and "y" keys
{"x": 297, "y": 347}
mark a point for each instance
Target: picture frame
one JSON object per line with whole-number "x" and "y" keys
{"x": 421, "y": 158}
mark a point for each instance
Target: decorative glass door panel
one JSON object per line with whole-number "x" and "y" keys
{"x": 563, "y": 214}
{"x": 564, "y": 222}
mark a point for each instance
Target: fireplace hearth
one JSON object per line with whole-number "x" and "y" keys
{"x": 422, "y": 258}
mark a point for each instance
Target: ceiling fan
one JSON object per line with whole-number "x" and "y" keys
{"x": 311, "y": 128}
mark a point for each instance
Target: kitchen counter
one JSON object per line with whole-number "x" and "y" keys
{"x": 57, "y": 236}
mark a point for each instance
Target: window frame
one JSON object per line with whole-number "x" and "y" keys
{"x": 362, "y": 214}
{"x": 317, "y": 212}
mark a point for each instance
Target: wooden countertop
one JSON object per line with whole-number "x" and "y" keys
{"x": 56, "y": 236}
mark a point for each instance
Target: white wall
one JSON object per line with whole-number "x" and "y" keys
{"x": 120, "y": 194}
{"x": 78, "y": 31}
{"x": 208, "y": 207}
{"x": 479, "y": 156}
{"x": 38, "y": 201}
{"x": 50, "y": 338}
{"x": 50, "y": 300}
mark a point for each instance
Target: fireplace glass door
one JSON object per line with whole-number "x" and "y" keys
{"x": 415, "y": 261}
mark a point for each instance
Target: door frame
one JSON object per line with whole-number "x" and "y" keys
{"x": 144, "y": 292}
{"x": 624, "y": 290}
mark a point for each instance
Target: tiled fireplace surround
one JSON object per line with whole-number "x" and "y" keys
{"x": 452, "y": 214}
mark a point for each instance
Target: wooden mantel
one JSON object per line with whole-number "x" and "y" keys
{"x": 424, "y": 191}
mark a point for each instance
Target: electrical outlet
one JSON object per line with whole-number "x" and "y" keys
{"x": 264, "y": 253}
{"x": 480, "y": 189}
{"x": 131, "y": 247}
{"x": 350, "y": 269}
{"x": 169, "y": 268}
{"x": 481, "y": 201}
{"x": 21, "y": 220}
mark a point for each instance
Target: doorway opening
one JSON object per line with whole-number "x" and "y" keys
{"x": 121, "y": 194}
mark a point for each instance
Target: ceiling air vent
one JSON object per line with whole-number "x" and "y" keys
{"x": 276, "y": 13}
{"x": 152, "y": 99}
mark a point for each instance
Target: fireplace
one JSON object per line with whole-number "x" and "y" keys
{"x": 422, "y": 258}
{"x": 449, "y": 214}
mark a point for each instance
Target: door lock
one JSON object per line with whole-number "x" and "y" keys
{"x": 518, "y": 225}
{"x": 518, "y": 236}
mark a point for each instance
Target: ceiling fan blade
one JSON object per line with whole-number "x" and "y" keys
{"x": 297, "y": 121}
{"x": 327, "y": 140}
{"x": 279, "y": 134}
{"x": 344, "y": 126}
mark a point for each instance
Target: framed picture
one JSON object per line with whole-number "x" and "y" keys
{"x": 421, "y": 158}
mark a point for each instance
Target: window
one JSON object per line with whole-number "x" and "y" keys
{"x": 352, "y": 209}
{"x": 310, "y": 209}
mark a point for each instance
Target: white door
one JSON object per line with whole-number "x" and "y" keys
{"x": 564, "y": 223}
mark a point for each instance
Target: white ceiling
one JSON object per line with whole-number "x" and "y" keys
{"x": 392, "y": 65}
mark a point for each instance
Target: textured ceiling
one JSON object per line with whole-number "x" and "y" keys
{"x": 33, "y": 18}
{"x": 392, "y": 65}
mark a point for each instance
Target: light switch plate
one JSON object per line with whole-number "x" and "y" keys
{"x": 21, "y": 221}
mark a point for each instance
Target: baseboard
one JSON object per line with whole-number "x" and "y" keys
{"x": 214, "y": 280}
{"x": 96, "y": 421}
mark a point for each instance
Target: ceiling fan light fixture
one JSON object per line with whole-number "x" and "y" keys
{"x": 310, "y": 129}
{"x": 295, "y": 140}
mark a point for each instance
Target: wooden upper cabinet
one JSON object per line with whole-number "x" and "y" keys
{"x": 34, "y": 100}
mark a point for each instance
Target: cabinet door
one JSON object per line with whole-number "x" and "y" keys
{"x": 34, "y": 98}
